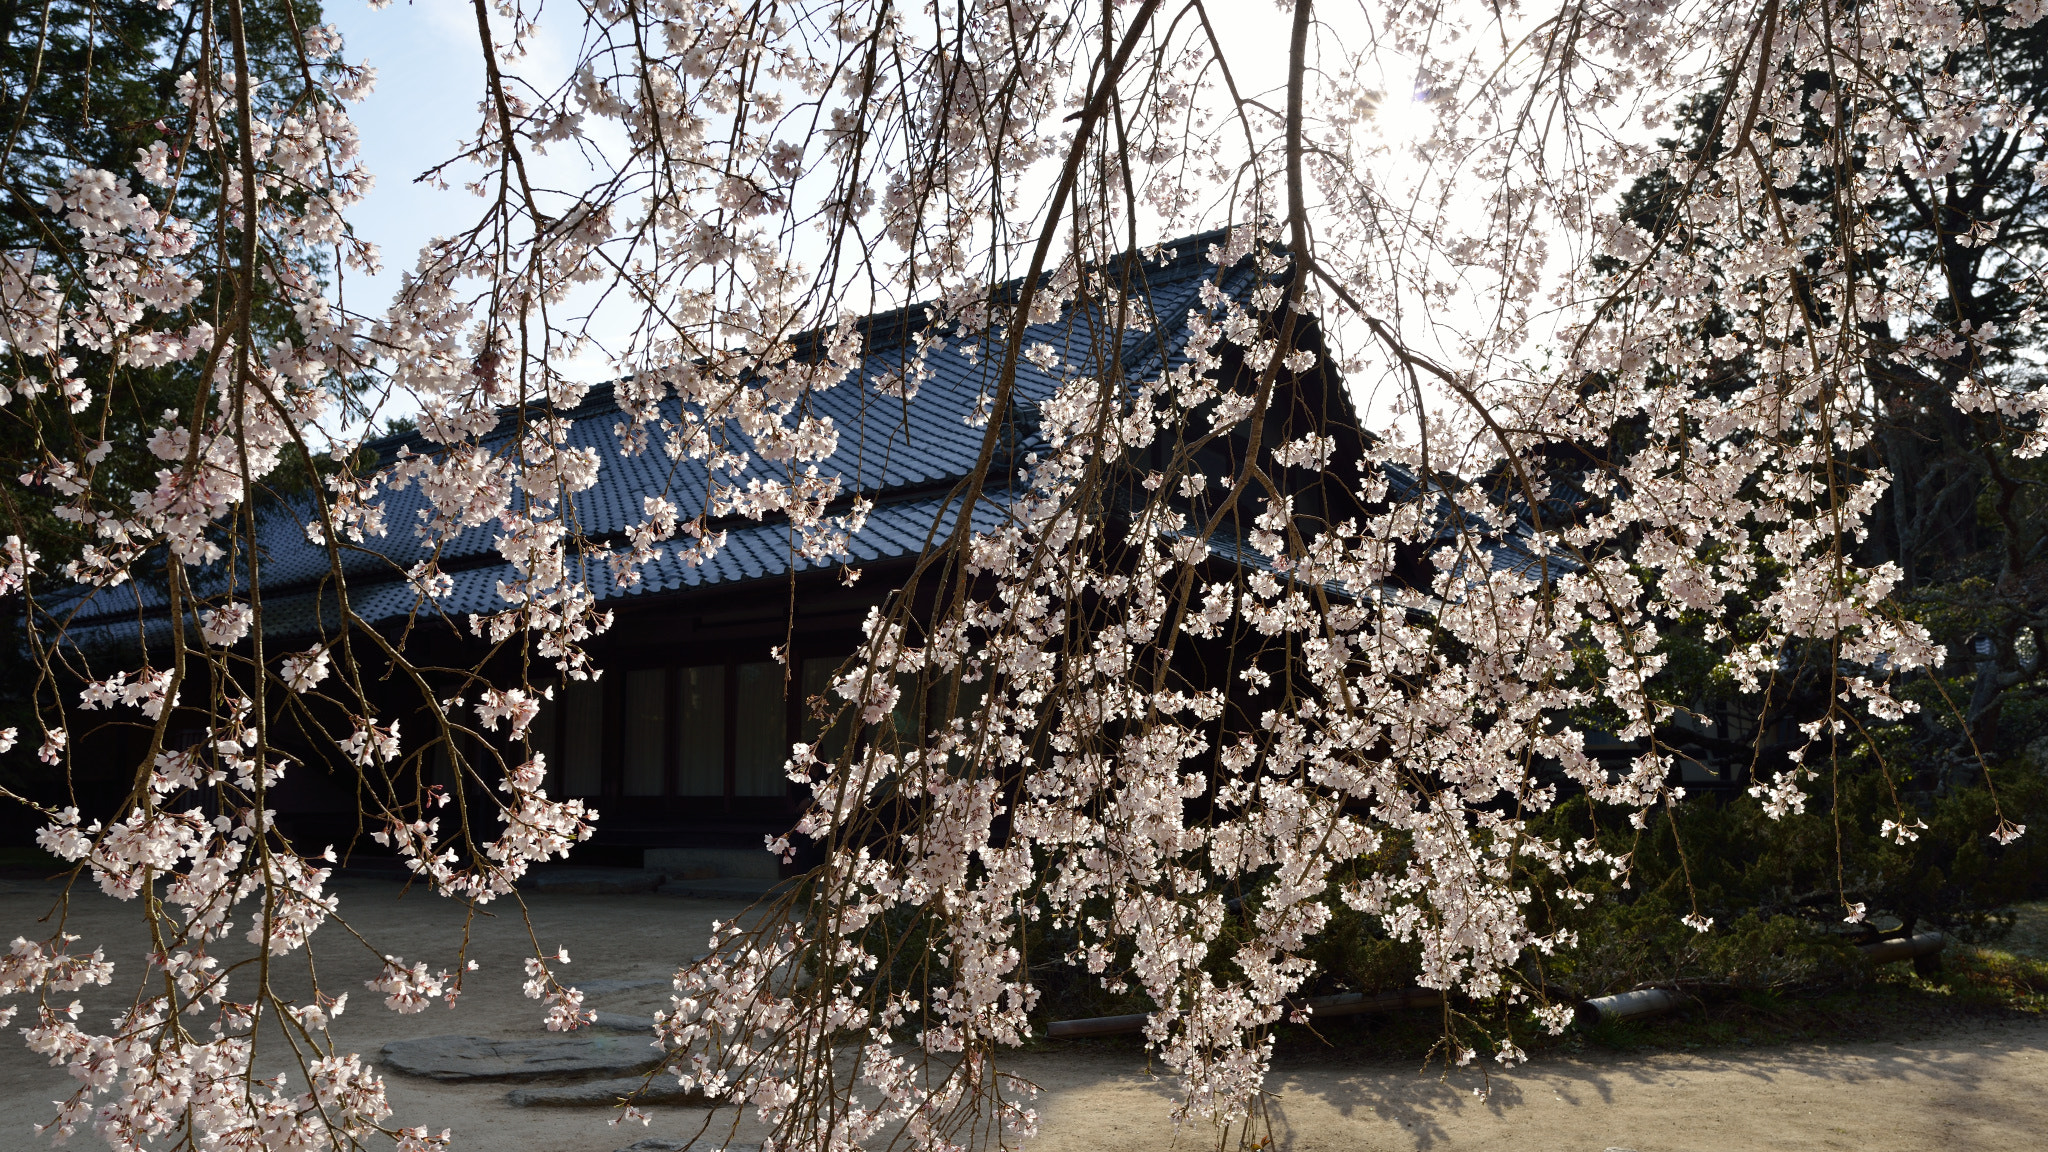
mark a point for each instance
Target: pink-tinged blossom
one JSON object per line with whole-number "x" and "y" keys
{"x": 1413, "y": 681}
{"x": 411, "y": 990}
{"x": 512, "y": 705}
{"x": 226, "y": 625}
{"x": 302, "y": 670}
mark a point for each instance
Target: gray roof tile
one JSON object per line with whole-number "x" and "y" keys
{"x": 900, "y": 455}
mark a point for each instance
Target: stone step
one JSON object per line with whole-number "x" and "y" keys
{"x": 576, "y": 880}
{"x": 734, "y": 863}
{"x": 471, "y": 1058}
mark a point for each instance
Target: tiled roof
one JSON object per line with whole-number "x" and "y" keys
{"x": 904, "y": 456}
{"x": 1505, "y": 552}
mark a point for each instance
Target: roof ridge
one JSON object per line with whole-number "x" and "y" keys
{"x": 893, "y": 450}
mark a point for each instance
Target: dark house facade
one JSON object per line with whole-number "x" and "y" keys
{"x": 681, "y": 743}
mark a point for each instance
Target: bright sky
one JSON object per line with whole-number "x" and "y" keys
{"x": 428, "y": 84}
{"x": 426, "y": 56}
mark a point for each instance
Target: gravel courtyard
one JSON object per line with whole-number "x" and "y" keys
{"x": 1985, "y": 1087}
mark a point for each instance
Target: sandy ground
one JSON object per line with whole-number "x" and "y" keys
{"x": 1985, "y": 1088}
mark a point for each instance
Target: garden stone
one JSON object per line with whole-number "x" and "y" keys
{"x": 525, "y": 1058}
{"x": 622, "y": 1022}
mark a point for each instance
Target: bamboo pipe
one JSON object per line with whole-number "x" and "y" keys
{"x": 1907, "y": 948}
{"x": 1655, "y": 1001}
{"x": 1624, "y": 1005}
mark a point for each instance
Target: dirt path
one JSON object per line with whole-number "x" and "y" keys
{"x": 1985, "y": 1088}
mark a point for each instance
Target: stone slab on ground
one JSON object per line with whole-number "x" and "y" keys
{"x": 658, "y": 1144}
{"x": 463, "y": 1058}
{"x": 605, "y": 1093}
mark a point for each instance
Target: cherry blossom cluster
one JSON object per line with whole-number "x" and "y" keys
{"x": 1221, "y": 670}
{"x": 1365, "y": 714}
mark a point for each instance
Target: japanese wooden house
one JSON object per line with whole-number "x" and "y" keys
{"x": 681, "y": 743}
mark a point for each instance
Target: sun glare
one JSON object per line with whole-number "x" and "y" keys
{"x": 1402, "y": 120}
